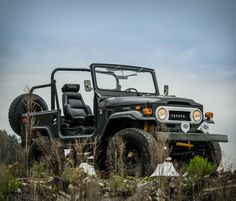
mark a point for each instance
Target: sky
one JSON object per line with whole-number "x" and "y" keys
{"x": 190, "y": 44}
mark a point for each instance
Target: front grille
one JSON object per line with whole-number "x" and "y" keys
{"x": 179, "y": 116}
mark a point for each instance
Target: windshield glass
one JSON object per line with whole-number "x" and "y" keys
{"x": 121, "y": 79}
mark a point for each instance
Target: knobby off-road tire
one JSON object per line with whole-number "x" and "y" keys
{"x": 213, "y": 154}
{"x": 132, "y": 152}
{"x": 19, "y": 107}
{"x": 50, "y": 154}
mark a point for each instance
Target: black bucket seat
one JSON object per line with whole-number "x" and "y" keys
{"x": 75, "y": 110}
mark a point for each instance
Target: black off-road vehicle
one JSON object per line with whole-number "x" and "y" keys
{"x": 129, "y": 122}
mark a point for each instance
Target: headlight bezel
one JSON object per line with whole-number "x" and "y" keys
{"x": 159, "y": 115}
{"x": 197, "y": 117}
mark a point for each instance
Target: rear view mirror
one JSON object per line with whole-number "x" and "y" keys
{"x": 87, "y": 85}
{"x": 166, "y": 90}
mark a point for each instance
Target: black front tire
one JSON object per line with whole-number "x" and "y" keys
{"x": 132, "y": 152}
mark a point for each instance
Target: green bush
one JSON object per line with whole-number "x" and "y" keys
{"x": 10, "y": 149}
{"x": 74, "y": 175}
{"x": 38, "y": 170}
{"x": 199, "y": 167}
{"x": 8, "y": 182}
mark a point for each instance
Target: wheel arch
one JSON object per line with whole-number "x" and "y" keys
{"x": 126, "y": 119}
{"x": 118, "y": 121}
{"x": 44, "y": 131}
{"x": 38, "y": 131}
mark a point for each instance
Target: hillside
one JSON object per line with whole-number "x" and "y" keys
{"x": 17, "y": 182}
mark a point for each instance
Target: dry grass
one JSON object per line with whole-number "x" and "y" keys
{"x": 115, "y": 157}
{"x": 30, "y": 121}
{"x": 81, "y": 186}
{"x": 163, "y": 152}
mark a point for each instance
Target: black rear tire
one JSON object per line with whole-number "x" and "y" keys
{"x": 213, "y": 154}
{"x": 37, "y": 150}
{"x": 132, "y": 152}
{"x": 18, "y": 107}
{"x": 51, "y": 154}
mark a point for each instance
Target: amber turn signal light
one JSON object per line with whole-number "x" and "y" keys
{"x": 209, "y": 115}
{"x": 147, "y": 111}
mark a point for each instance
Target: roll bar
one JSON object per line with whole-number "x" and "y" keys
{"x": 54, "y": 95}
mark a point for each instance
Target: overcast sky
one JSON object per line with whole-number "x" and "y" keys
{"x": 191, "y": 44}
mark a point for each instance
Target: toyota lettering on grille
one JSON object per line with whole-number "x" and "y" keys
{"x": 178, "y": 116}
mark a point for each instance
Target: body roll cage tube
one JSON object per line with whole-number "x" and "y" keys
{"x": 39, "y": 86}
{"x": 53, "y": 82}
{"x": 53, "y": 88}
{"x": 54, "y": 94}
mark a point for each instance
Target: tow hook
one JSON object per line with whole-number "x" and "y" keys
{"x": 184, "y": 144}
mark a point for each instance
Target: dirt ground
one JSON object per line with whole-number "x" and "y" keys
{"x": 218, "y": 186}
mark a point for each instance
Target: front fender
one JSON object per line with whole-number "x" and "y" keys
{"x": 126, "y": 115}
{"x": 133, "y": 115}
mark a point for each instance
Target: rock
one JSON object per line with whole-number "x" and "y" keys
{"x": 18, "y": 190}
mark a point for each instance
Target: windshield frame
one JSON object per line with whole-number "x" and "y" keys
{"x": 111, "y": 93}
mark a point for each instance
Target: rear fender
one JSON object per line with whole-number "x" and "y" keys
{"x": 42, "y": 131}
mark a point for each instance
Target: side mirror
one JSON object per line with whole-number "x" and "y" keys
{"x": 166, "y": 90}
{"x": 87, "y": 85}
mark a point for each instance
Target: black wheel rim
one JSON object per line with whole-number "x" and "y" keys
{"x": 132, "y": 160}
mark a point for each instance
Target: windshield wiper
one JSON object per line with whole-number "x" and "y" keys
{"x": 115, "y": 68}
{"x": 136, "y": 73}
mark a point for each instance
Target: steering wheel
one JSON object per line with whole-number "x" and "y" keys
{"x": 130, "y": 89}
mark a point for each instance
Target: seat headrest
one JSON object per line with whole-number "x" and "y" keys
{"x": 70, "y": 88}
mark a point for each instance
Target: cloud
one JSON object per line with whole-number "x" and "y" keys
{"x": 191, "y": 44}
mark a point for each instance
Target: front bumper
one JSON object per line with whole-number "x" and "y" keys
{"x": 193, "y": 137}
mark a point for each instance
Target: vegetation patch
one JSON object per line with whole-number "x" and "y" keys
{"x": 200, "y": 167}
{"x": 38, "y": 182}
{"x": 9, "y": 183}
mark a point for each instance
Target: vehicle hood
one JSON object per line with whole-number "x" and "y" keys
{"x": 163, "y": 100}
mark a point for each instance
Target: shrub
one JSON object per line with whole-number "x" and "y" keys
{"x": 200, "y": 167}
{"x": 10, "y": 149}
{"x": 38, "y": 170}
{"x": 8, "y": 182}
{"x": 74, "y": 175}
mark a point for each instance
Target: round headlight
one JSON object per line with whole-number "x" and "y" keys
{"x": 197, "y": 115}
{"x": 162, "y": 113}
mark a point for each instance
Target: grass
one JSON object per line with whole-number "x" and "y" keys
{"x": 8, "y": 181}
{"x": 75, "y": 184}
{"x": 115, "y": 157}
